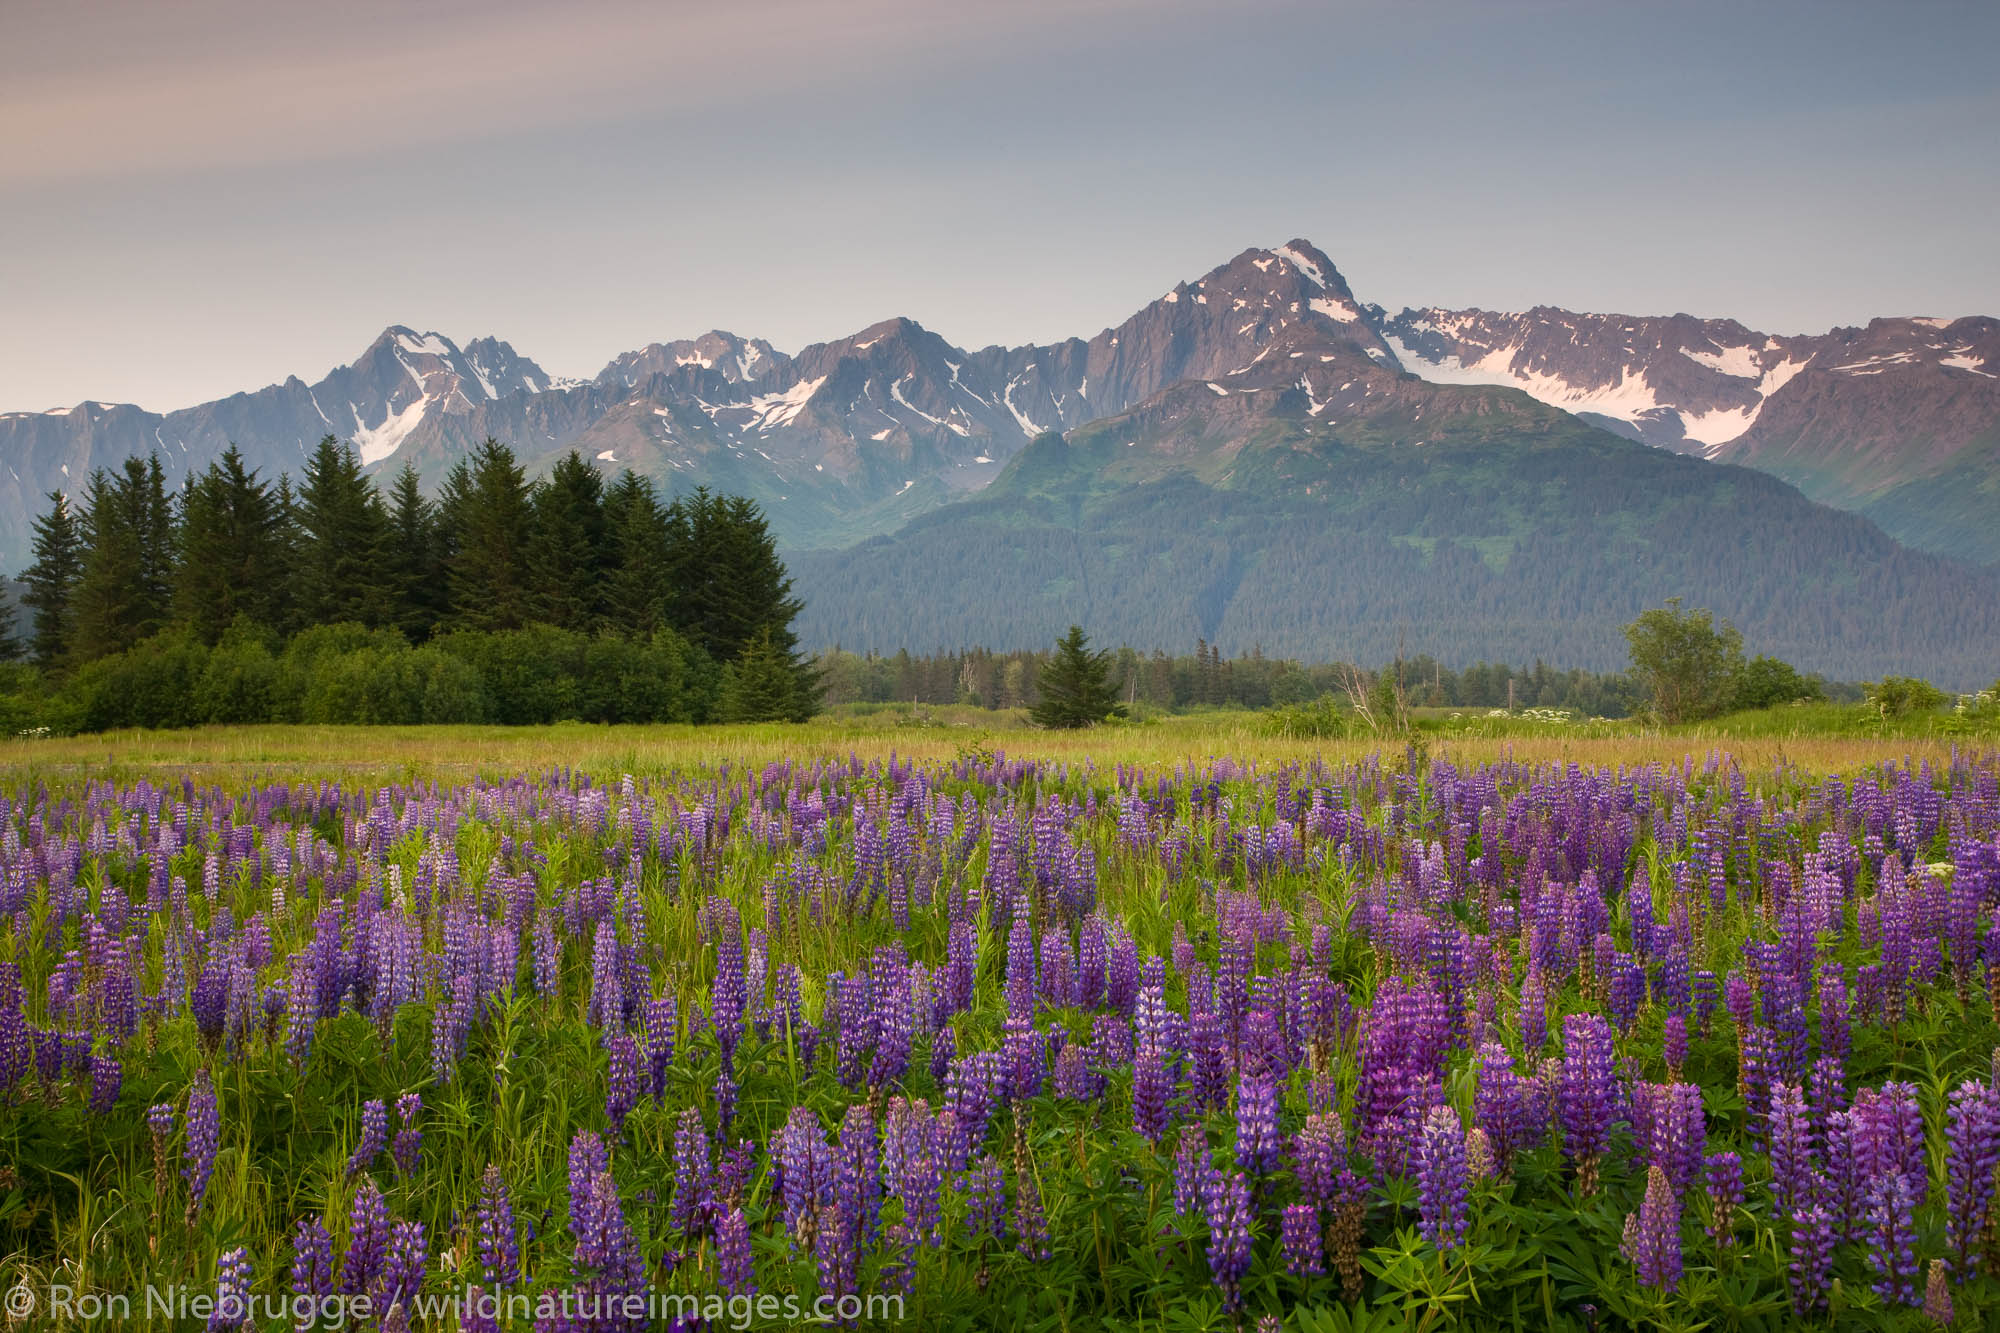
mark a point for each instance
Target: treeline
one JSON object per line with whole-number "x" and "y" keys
{"x": 1207, "y": 678}
{"x": 239, "y": 599}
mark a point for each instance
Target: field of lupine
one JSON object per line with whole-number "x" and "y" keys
{"x": 1379, "y": 1045}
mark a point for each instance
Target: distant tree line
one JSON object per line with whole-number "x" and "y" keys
{"x": 239, "y": 599}
{"x": 1205, "y": 678}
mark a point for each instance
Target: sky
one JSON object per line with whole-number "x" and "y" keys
{"x": 205, "y": 197}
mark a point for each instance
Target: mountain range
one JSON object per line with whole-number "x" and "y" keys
{"x": 1451, "y": 461}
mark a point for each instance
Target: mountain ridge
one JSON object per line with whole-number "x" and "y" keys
{"x": 848, "y": 438}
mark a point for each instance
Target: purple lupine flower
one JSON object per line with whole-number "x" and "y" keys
{"x": 1441, "y": 1179}
{"x": 106, "y": 1077}
{"x": 969, "y": 1088}
{"x": 607, "y": 1249}
{"x": 660, "y": 1018}
{"x": 1833, "y": 1014}
{"x": 1587, "y": 1094}
{"x": 920, "y": 1180}
{"x": 1258, "y": 1150}
{"x": 232, "y": 1291}
{"x": 1074, "y": 1082}
{"x": 587, "y": 1160}
{"x": 622, "y": 1079}
{"x": 1152, "y": 1086}
{"x": 725, "y": 1097}
{"x": 1532, "y": 1017}
{"x": 1318, "y": 1151}
{"x": 1021, "y": 988}
{"x": 1722, "y": 1178}
{"x": 1972, "y": 1151}
{"x": 407, "y": 1150}
{"x": 1305, "y": 1255}
{"x": 1192, "y": 1167}
{"x": 735, "y": 1270}
{"x": 1653, "y": 1235}
{"x": 1888, "y": 1136}
{"x": 367, "y": 1239}
{"x": 1674, "y": 1044}
{"x": 374, "y": 1137}
{"x": 729, "y": 991}
{"x": 547, "y": 956}
{"x": 693, "y": 1178}
{"x": 732, "y": 1171}
{"x": 1025, "y": 1055}
{"x": 838, "y": 1235}
{"x": 204, "y": 1136}
{"x": 499, "y": 1248}
{"x": 1227, "y": 1204}
{"x": 985, "y": 1201}
{"x": 1791, "y": 1149}
{"x": 403, "y": 1267}
{"x": 1892, "y": 1238}
{"x": 1811, "y": 1270}
{"x": 607, "y": 983}
{"x": 312, "y": 1259}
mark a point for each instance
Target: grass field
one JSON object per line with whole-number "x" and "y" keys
{"x": 1821, "y": 739}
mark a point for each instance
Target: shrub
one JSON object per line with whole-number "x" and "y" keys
{"x": 1900, "y": 696}
{"x": 1316, "y": 719}
{"x": 154, "y": 683}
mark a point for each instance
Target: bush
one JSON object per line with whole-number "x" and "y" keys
{"x": 154, "y": 683}
{"x": 1766, "y": 682}
{"x": 241, "y": 682}
{"x": 1317, "y": 719}
{"x": 1900, "y": 696}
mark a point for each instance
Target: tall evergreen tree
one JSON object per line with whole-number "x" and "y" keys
{"x": 122, "y": 593}
{"x": 287, "y": 540}
{"x": 567, "y": 547}
{"x": 415, "y": 562}
{"x": 762, "y": 685}
{"x": 52, "y": 580}
{"x": 342, "y": 534}
{"x": 1075, "y": 686}
{"x": 636, "y": 585}
{"x": 728, "y": 586}
{"x": 230, "y": 556}
{"x": 10, "y": 642}
{"x": 487, "y": 510}
{"x": 727, "y": 580}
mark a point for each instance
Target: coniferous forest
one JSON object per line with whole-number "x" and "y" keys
{"x": 241, "y": 598}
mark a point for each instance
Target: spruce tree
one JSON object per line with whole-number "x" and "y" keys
{"x": 122, "y": 591}
{"x": 566, "y": 549}
{"x": 762, "y": 685}
{"x": 415, "y": 558}
{"x": 728, "y": 585}
{"x": 342, "y": 539}
{"x": 230, "y": 562}
{"x": 487, "y": 510}
{"x": 636, "y": 584}
{"x": 10, "y": 642}
{"x": 52, "y": 580}
{"x": 1075, "y": 685}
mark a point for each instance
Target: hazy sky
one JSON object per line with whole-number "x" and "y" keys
{"x": 203, "y": 197}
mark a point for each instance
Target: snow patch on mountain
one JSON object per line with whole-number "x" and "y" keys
{"x": 1742, "y": 362}
{"x": 781, "y": 409}
{"x": 379, "y": 443}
